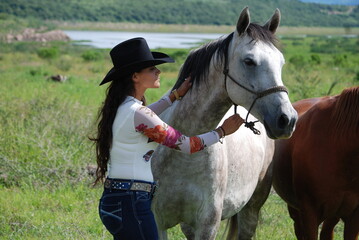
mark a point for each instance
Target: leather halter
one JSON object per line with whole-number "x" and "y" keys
{"x": 258, "y": 95}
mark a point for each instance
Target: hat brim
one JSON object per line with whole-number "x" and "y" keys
{"x": 114, "y": 73}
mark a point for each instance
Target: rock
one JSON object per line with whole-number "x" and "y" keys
{"x": 91, "y": 169}
{"x": 58, "y": 78}
{"x": 30, "y": 34}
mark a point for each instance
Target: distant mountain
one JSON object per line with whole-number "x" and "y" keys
{"x": 334, "y": 2}
{"x": 206, "y": 12}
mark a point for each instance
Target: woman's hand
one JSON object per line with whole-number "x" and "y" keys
{"x": 185, "y": 86}
{"x": 230, "y": 125}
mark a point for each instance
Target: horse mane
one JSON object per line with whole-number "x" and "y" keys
{"x": 198, "y": 61}
{"x": 345, "y": 117}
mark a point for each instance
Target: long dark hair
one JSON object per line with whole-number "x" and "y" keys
{"x": 116, "y": 94}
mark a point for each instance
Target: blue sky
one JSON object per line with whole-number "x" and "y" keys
{"x": 338, "y": 2}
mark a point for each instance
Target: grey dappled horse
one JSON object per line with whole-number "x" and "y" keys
{"x": 233, "y": 179}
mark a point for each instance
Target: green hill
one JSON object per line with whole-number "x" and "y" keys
{"x": 207, "y": 12}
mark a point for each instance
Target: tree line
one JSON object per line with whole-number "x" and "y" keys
{"x": 207, "y": 12}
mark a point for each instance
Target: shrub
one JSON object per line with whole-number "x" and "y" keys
{"x": 91, "y": 55}
{"x": 339, "y": 60}
{"x": 179, "y": 55}
{"x": 315, "y": 59}
{"x": 65, "y": 63}
{"x": 356, "y": 78}
{"x": 48, "y": 53}
{"x": 297, "y": 43}
{"x": 38, "y": 72}
{"x": 5, "y": 16}
{"x": 297, "y": 60}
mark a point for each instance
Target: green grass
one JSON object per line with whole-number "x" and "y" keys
{"x": 70, "y": 212}
{"x": 59, "y": 212}
{"x": 45, "y": 154}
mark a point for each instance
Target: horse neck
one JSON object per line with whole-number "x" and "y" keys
{"x": 202, "y": 108}
{"x": 345, "y": 116}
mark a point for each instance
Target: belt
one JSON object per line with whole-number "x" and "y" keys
{"x": 119, "y": 184}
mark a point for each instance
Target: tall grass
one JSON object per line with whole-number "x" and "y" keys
{"x": 46, "y": 159}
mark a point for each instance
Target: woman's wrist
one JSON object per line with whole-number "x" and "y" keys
{"x": 176, "y": 94}
{"x": 172, "y": 97}
{"x": 222, "y": 129}
{"x": 221, "y": 132}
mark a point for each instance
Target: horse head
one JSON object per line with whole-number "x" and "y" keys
{"x": 252, "y": 71}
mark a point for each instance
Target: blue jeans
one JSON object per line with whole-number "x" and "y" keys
{"x": 127, "y": 215}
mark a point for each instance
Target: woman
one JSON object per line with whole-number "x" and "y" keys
{"x": 128, "y": 133}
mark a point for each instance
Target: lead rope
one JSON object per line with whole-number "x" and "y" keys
{"x": 247, "y": 124}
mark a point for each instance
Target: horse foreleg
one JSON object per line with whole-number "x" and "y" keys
{"x": 233, "y": 227}
{"x": 187, "y": 231}
{"x": 310, "y": 221}
{"x": 327, "y": 229}
{"x": 247, "y": 222}
{"x": 351, "y": 226}
{"x": 208, "y": 224}
{"x": 298, "y": 227}
{"x": 249, "y": 215}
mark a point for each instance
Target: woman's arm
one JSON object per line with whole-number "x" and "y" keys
{"x": 161, "y": 105}
{"x": 166, "y": 101}
{"x": 148, "y": 123}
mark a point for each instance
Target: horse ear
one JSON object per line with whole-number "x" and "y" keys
{"x": 243, "y": 21}
{"x": 273, "y": 23}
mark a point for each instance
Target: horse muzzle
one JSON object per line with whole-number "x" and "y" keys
{"x": 282, "y": 126}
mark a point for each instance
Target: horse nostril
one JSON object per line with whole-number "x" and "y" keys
{"x": 283, "y": 121}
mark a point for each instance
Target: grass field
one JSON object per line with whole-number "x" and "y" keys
{"x": 190, "y": 28}
{"x": 46, "y": 158}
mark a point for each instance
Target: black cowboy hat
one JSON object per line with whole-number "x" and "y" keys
{"x": 131, "y": 56}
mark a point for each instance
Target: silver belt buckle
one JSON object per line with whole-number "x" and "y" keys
{"x": 136, "y": 186}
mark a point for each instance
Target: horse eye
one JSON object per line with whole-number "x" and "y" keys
{"x": 249, "y": 62}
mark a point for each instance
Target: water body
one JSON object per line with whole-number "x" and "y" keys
{"x": 108, "y": 39}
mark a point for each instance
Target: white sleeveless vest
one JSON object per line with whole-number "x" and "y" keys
{"x": 130, "y": 154}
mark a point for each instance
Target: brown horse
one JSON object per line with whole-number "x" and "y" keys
{"x": 316, "y": 171}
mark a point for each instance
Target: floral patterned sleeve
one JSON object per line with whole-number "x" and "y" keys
{"x": 161, "y": 105}
{"x": 148, "y": 123}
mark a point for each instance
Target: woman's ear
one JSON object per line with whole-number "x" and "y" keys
{"x": 135, "y": 77}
